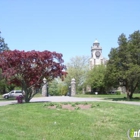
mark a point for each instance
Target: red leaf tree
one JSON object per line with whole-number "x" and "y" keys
{"x": 27, "y": 69}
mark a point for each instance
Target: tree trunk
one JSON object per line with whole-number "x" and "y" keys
{"x": 26, "y": 96}
{"x": 129, "y": 94}
{"x": 29, "y": 93}
{"x": 27, "y": 100}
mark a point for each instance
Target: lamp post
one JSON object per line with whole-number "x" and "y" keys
{"x": 47, "y": 90}
{"x": 69, "y": 91}
{"x": 44, "y": 80}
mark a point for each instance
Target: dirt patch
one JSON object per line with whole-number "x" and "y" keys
{"x": 71, "y": 106}
{"x": 52, "y": 107}
{"x": 84, "y": 106}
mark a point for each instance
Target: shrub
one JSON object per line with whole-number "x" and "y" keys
{"x": 85, "y": 103}
{"x": 77, "y": 108}
{"x": 77, "y": 103}
{"x": 65, "y": 103}
{"x": 51, "y": 104}
{"x": 59, "y": 106}
{"x": 73, "y": 104}
{"x": 92, "y": 106}
{"x": 118, "y": 93}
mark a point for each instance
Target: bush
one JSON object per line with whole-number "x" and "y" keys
{"x": 85, "y": 103}
{"x": 73, "y": 104}
{"x": 59, "y": 106}
{"x": 118, "y": 93}
{"x": 51, "y": 104}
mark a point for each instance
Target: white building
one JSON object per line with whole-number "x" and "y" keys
{"x": 96, "y": 55}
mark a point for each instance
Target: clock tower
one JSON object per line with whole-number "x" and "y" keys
{"x": 96, "y": 55}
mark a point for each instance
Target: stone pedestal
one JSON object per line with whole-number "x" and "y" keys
{"x": 73, "y": 87}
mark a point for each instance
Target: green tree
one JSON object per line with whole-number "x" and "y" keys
{"x": 2, "y": 86}
{"x": 53, "y": 88}
{"x": 27, "y": 69}
{"x": 124, "y": 63}
{"x": 62, "y": 87}
{"x": 77, "y": 68}
{"x": 57, "y": 87}
{"x": 95, "y": 78}
{"x": 3, "y": 45}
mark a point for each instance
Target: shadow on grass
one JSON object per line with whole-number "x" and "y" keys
{"x": 136, "y": 99}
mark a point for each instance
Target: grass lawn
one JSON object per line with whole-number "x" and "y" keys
{"x": 122, "y": 97}
{"x": 35, "y": 121}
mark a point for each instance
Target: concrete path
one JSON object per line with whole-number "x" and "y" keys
{"x": 63, "y": 99}
{"x": 66, "y": 99}
{"x": 3, "y": 103}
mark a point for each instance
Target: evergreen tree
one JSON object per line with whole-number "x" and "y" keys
{"x": 3, "y": 45}
{"x": 124, "y": 63}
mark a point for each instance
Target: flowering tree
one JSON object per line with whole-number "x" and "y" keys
{"x": 27, "y": 69}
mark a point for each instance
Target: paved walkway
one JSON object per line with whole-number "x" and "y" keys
{"x": 66, "y": 99}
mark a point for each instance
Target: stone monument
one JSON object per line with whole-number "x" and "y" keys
{"x": 73, "y": 87}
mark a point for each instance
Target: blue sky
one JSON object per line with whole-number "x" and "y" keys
{"x": 67, "y": 26}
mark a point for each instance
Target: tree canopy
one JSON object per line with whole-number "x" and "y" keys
{"x": 124, "y": 63}
{"x": 27, "y": 69}
{"x": 77, "y": 68}
{"x": 3, "y": 45}
{"x": 96, "y": 78}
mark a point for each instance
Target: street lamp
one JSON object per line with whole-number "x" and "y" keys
{"x": 69, "y": 90}
{"x": 44, "y": 80}
{"x": 47, "y": 90}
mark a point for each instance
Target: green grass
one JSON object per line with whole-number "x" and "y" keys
{"x": 122, "y": 97}
{"x": 35, "y": 121}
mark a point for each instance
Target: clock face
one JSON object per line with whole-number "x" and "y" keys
{"x": 97, "y": 53}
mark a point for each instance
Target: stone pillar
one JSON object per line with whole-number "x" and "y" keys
{"x": 44, "y": 87}
{"x": 73, "y": 87}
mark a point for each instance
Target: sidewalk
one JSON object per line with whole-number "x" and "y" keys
{"x": 67, "y": 99}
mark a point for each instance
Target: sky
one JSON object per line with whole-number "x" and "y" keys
{"x": 67, "y": 26}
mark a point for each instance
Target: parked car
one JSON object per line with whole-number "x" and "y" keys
{"x": 13, "y": 94}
